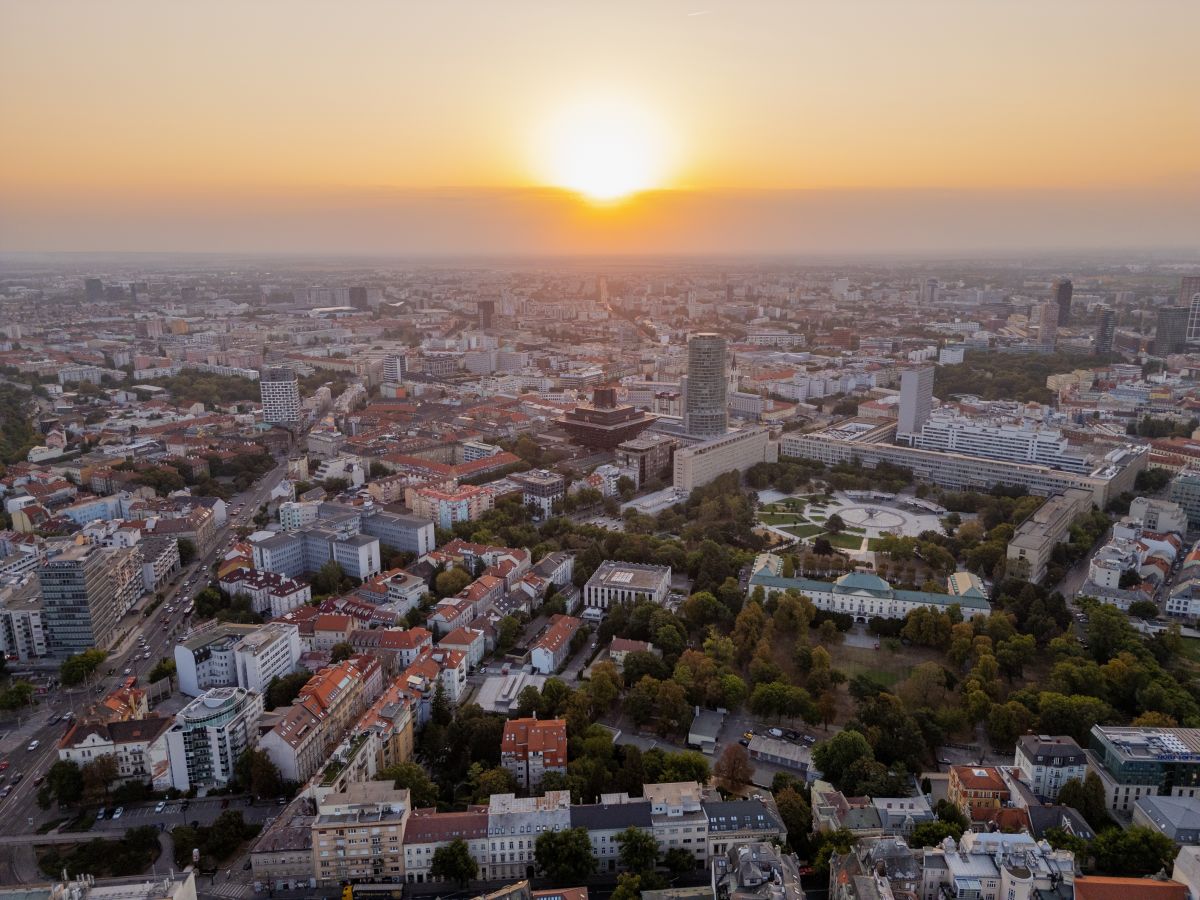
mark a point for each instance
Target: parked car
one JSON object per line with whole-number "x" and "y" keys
{"x": 117, "y": 812}
{"x": 749, "y": 735}
{"x": 775, "y": 732}
{"x": 744, "y": 742}
{"x": 162, "y": 804}
{"x": 33, "y": 745}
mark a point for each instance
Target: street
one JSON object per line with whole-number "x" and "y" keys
{"x": 161, "y": 629}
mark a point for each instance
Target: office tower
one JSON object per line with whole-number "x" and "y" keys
{"x": 704, "y": 410}
{"x": 1170, "y": 334}
{"x": 280, "y": 396}
{"x": 395, "y": 367}
{"x": 1189, "y": 287}
{"x": 1105, "y": 328}
{"x": 1048, "y": 324}
{"x": 79, "y": 600}
{"x": 916, "y": 400}
{"x": 93, "y": 288}
{"x": 1061, "y": 292}
{"x": 486, "y": 309}
{"x": 1189, "y": 296}
{"x": 358, "y": 297}
{"x": 929, "y": 290}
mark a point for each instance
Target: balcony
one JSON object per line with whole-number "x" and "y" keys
{"x": 342, "y": 758}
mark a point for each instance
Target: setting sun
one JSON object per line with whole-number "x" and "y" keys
{"x": 604, "y": 150}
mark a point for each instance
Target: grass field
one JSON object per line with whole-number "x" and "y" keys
{"x": 845, "y": 541}
{"x": 782, "y": 518}
{"x": 1191, "y": 649}
{"x": 803, "y": 531}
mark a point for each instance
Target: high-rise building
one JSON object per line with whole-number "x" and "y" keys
{"x": 209, "y": 735}
{"x": 486, "y": 310}
{"x": 1189, "y": 296}
{"x": 603, "y": 424}
{"x": 79, "y": 600}
{"x": 1170, "y": 334}
{"x": 1105, "y": 329}
{"x": 704, "y": 408}
{"x": 916, "y": 401}
{"x": 1061, "y": 291}
{"x": 929, "y": 290}
{"x": 93, "y": 289}
{"x": 280, "y": 396}
{"x": 358, "y": 298}
{"x": 395, "y": 367}
{"x": 1048, "y": 325}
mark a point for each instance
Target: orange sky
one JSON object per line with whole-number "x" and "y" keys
{"x": 174, "y": 104}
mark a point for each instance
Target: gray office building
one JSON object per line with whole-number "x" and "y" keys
{"x": 1170, "y": 334}
{"x": 1061, "y": 292}
{"x": 79, "y": 600}
{"x": 1106, "y": 328}
{"x": 705, "y": 413}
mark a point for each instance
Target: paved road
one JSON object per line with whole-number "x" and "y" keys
{"x": 19, "y": 811}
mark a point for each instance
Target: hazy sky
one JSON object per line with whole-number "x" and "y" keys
{"x": 437, "y": 127}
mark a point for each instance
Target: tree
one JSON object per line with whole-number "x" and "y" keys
{"x": 835, "y": 524}
{"x": 164, "y": 668}
{"x": 1143, "y": 609}
{"x": 638, "y": 849}
{"x": 412, "y": 776}
{"x": 1133, "y": 852}
{"x": 340, "y": 651}
{"x": 930, "y": 834}
{"x": 80, "y": 667}
{"x": 98, "y": 776}
{"x": 565, "y": 856}
{"x": 187, "y": 551}
{"x": 450, "y": 582}
{"x": 64, "y": 784}
{"x": 733, "y": 770}
{"x": 1087, "y": 797}
{"x": 508, "y": 631}
{"x": 331, "y": 578}
{"x": 453, "y": 862}
{"x": 282, "y": 691}
{"x": 796, "y": 814}
{"x": 629, "y": 886}
{"x": 679, "y": 861}
{"x": 257, "y": 773}
{"x": 834, "y": 757}
{"x": 485, "y": 782}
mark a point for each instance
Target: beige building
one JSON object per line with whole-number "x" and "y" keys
{"x": 358, "y": 835}
{"x": 1035, "y": 539}
{"x": 700, "y": 463}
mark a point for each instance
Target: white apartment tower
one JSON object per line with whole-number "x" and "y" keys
{"x": 280, "y": 396}
{"x": 916, "y": 401}
{"x": 704, "y": 408}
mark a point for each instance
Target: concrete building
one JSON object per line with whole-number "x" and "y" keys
{"x": 608, "y": 818}
{"x": 756, "y": 870}
{"x": 270, "y": 651}
{"x": 446, "y": 506}
{"x": 22, "y": 632}
{"x": 1015, "y": 442}
{"x": 205, "y": 659}
{"x": 139, "y": 747}
{"x": 621, "y": 582}
{"x": 1170, "y": 332}
{"x": 1034, "y": 541}
{"x": 705, "y": 413}
{"x": 865, "y": 596}
{"x": 1106, "y": 329}
{"x": 553, "y": 648}
{"x": 1185, "y": 492}
{"x": 1061, "y": 291}
{"x": 530, "y": 748}
{"x": 977, "y": 789}
{"x": 1175, "y": 817}
{"x": 514, "y": 824}
{"x": 1134, "y": 762}
{"x": 916, "y": 401}
{"x": 678, "y": 818}
{"x": 1047, "y": 762}
{"x": 280, "y": 396}
{"x": 358, "y": 835}
{"x": 541, "y": 490}
{"x": 160, "y": 561}
{"x": 735, "y": 452}
{"x": 298, "y": 553}
{"x": 209, "y": 734}
{"x": 649, "y": 455}
{"x": 79, "y": 599}
{"x": 270, "y": 593}
{"x": 1047, "y": 325}
{"x": 428, "y": 830}
{"x": 995, "y": 866}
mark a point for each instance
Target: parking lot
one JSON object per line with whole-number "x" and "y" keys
{"x": 205, "y": 811}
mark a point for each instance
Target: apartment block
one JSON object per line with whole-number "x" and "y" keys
{"x": 209, "y": 734}
{"x": 358, "y": 834}
{"x": 1034, "y": 541}
{"x": 1047, "y": 762}
{"x": 621, "y": 582}
{"x": 529, "y": 748}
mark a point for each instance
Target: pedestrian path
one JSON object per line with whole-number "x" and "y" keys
{"x": 226, "y": 889}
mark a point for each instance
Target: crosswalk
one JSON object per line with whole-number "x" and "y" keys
{"x": 233, "y": 889}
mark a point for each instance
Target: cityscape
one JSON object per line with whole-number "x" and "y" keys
{"x": 599, "y": 527}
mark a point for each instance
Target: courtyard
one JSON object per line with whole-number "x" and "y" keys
{"x": 866, "y": 516}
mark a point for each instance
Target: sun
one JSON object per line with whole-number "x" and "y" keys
{"x": 603, "y": 149}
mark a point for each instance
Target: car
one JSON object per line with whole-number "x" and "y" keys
{"x": 809, "y": 739}
{"x": 246, "y": 867}
{"x": 791, "y": 735}
{"x": 117, "y": 812}
{"x": 775, "y": 732}
{"x": 184, "y": 805}
{"x": 749, "y": 735}
{"x": 99, "y": 689}
{"x": 744, "y": 742}
{"x": 16, "y": 778}
{"x": 53, "y": 720}
{"x": 6, "y": 790}
{"x": 128, "y": 671}
{"x": 162, "y": 804}
{"x": 33, "y": 745}
{"x": 283, "y": 801}
{"x": 68, "y": 716}
{"x": 38, "y": 781}
{"x": 3, "y": 764}
{"x": 101, "y": 813}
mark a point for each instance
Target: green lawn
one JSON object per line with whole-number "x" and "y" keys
{"x": 803, "y": 531}
{"x": 845, "y": 541}
{"x": 851, "y": 529}
{"x": 873, "y": 543}
{"x": 782, "y": 518}
{"x": 1191, "y": 649}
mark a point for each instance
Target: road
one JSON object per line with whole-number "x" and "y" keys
{"x": 19, "y": 811}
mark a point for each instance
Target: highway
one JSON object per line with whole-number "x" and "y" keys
{"x": 19, "y": 811}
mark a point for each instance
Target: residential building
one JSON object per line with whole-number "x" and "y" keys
{"x": 1034, "y": 541}
{"x": 205, "y": 658}
{"x": 541, "y": 490}
{"x": 270, "y": 593}
{"x": 280, "y": 396}
{"x": 698, "y": 464}
{"x": 298, "y": 553}
{"x": 650, "y": 455}
{"x": 1047, "y": 762}
{"x": 358, "y": 834}
{"x": 608, "y": 818}
{"x": 1185, "y": 491}
{"x": 552, "y": 649}
{"x": 1175, "y": 817}
{"x": 79, "y": 599}
{"x": 160, "y": 561}
{"x": 1047, "y": 325}
{"x": 529, "y": 748}
{"x": 22, "y": 630}
{"x": 1158, "y": 515}
{"x": 756, "y": 870}
{"x": 395, "y": 648}
{"x": 390, "y": 720}
{"x": 428, "y": 830}
{"x": 209, "y": 734}
{"x": 995, "y": 866}
{"x": 976, "y": 789}
{"x": 270, "y": 651}
{"x": 447, "y": 505}
{"x": 734, "y": 822}
{"x": 678, "y": 818}
{"x": 621, "y": 582}
{"x": 705, "y": 414}
{"x": 514, "y": 824}
{"x": 139, "y": 747}
{"x": 1106, "y": 328}
{"x": 865, "y": 596}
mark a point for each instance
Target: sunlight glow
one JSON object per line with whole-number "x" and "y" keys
{"x": 604, "y": 150}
